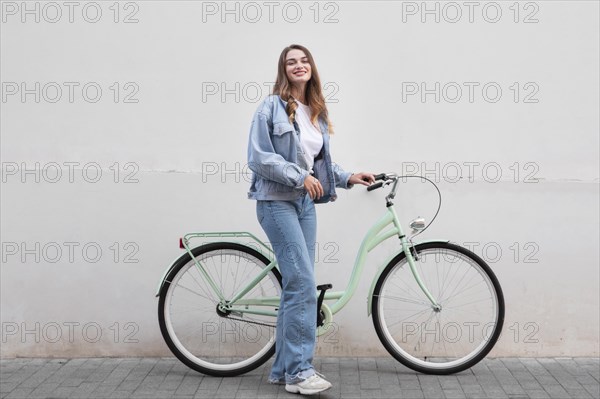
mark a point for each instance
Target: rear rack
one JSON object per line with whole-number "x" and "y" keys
{"x": 251, "y": 241}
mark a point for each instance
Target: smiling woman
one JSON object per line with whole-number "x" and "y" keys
{"x": 288, "y": 151}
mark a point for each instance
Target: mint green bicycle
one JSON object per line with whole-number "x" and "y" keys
{"x": 437, "y": 307}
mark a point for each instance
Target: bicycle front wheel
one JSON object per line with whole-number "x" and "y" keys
{"x": 200, "y": 334}
{"x": 441, "y": 340}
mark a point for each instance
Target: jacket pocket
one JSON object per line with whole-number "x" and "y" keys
{"x": 284, "y": 141}
{"x": 280, "y": 128}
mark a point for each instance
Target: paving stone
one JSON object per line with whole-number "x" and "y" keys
{"x": 139, "y": 378}
{"x": 19, "y": 393}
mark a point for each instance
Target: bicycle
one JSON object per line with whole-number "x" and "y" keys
{"x": 437, "y": 307}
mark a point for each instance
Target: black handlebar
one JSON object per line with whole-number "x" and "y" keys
{"x": 374, "y": 186}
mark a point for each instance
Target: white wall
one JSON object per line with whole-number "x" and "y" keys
{"x": 176, "y": 141}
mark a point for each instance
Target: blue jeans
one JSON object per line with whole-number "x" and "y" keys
{"x": 291, "y": 227}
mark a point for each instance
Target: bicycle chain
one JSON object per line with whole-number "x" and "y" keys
{"x": 253, "y": 322}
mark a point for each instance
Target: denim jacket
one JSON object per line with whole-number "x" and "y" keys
{"x": 275, "y": 155}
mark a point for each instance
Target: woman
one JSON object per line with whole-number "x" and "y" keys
{"x": 288, "y": 152}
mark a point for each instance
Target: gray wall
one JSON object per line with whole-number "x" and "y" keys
{"x": 83, "y": 252}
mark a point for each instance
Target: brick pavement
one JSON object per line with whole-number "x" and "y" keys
{"x": 380, "y": 377}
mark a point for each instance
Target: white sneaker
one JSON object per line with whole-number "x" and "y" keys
{"x": 310, "y": 386}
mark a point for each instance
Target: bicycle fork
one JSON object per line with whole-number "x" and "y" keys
{"x": 413, "y": 268}
{"x": 406, "y": 247}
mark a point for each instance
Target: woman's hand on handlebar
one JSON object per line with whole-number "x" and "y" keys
{"x": 313, "y": 187}
{"x": 363, "y": 178}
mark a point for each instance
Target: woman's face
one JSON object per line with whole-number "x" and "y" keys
{"x": 297, "y": 67}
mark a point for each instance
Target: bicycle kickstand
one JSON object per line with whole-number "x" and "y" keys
{"x": 322, "y": 288}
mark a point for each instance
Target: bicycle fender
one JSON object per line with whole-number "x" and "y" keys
{"x": 382, "y": 268}
{"x": 166, "y": 273}
{"x": 175, "y": 261}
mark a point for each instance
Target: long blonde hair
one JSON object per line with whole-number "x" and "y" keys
{"x": 313, "y": 94}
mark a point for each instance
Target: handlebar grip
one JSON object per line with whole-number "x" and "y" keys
{"x": 374, "y": 186}
{"x": 380, "y": 176}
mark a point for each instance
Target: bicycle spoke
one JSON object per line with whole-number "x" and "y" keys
{"x": 404, "y": 300}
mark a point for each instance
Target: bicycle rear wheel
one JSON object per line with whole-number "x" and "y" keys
{"x": 446, "y": 340}
{"x": 201, "y": 336}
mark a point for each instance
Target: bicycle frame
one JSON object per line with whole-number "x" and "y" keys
{"x": 387, "y": 226}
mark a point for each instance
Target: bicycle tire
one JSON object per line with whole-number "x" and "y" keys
{"x": 414, "y": 306}
{"x": 187, "y": 347}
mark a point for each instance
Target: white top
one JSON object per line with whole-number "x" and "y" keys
{"x": 310, "y": 136}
